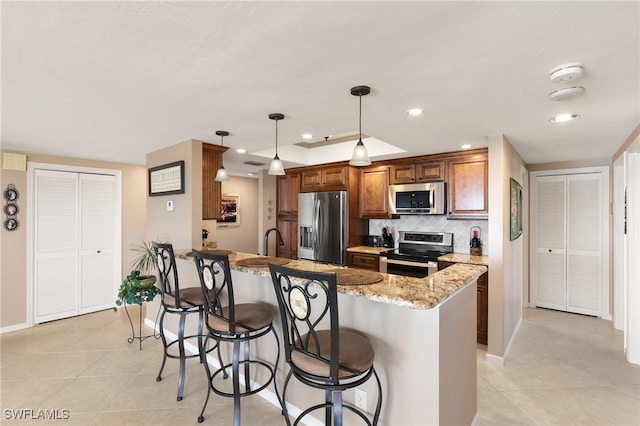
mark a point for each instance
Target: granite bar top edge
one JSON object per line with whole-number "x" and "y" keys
{"x": 368, "y": 249}
{"x": 409, "y": 292}
{"x": 465, "y": 258}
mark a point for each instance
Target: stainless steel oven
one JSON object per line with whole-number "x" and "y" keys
{"x": 417, "y": 253}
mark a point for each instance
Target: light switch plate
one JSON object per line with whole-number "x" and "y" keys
{"x": 170, "y": 205}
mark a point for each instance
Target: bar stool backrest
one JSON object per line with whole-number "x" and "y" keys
{"x": 216, "y": 282}
{"x": 168, "y": 273}
{"x": 308, "y": 303}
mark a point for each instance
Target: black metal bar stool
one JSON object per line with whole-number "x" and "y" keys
{"x": 182, "y": 302}
{"x": 233, "y": 323}
{"x": 332, "y": 360}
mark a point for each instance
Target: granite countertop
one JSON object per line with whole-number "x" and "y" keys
{"x": 414, "y": 293}
{"x": 465, "y": 258}
{"x": 368, "y": 250}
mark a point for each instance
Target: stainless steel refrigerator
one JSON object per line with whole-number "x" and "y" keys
{"x": 322, "y": 222}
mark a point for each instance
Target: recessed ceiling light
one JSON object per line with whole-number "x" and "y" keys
{"x": 413, "y": 112}
{"x": 564, "y": 117}
{"x": 251, "y": 174}
{"x": 307, "y": 136}
{"x": 465, "y": 146}
{"x": 241, "y": 150}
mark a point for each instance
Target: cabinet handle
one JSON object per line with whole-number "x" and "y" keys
{"x": 98, "y": 251}
{"x": 549, "y": 250}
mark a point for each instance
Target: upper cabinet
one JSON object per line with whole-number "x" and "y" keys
{"x": 427, "y": 171}
{"x": 332, "y": 178}
{"x": 374, "y": 192}
{"x": 288, "y": 190}
{"x": 468, "y": 187}
{"x": 211, "y": 190}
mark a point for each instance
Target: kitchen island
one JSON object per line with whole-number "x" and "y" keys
{"x": 423, "y": 332}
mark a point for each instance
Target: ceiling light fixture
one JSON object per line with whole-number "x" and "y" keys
{"x": 567, "y": 72}
{"x": 222, "y": 175}
{"x": 561, "y": 118}
{"x": 414, "y": 112}
{"x": 360, "y": 156}
{"x": 241, "y": 150}
{"x": 307, "y": 136}
{"x": 465, "y": 146}
{"x": 276, "y": 168}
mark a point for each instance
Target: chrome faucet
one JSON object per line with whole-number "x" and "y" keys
{"x": 266, "y": 240}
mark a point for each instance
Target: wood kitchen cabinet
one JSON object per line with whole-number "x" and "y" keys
{"x": 467, "y": 189}
{"x": 363, "y": 261}
{"x": 374, "y": 193}
{"x": 324, "y": 179}
{"x": 428, "y": 171}
{"x": 287, "y": 194}
{"x": 482, "y": 322}
{"x": 288, "y": 228}
{"x": 211, "y": 190}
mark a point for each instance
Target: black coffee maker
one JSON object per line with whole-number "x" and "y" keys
{"x": 387, "y": 238}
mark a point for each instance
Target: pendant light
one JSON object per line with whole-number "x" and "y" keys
{"x": 222, "y": 175}
{"x": 276, "y": 168}
{"x": 360, "y": 156}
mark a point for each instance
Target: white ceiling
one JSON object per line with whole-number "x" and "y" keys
{"x": 112, "y": 81}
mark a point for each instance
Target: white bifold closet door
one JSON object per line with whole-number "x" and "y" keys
{"x": 568, "y": 242}
{"x": 74, "y": 244}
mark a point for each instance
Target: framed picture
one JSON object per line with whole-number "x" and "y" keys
{"x": 515, "y": 212}
{"x": 229, "y": 211}
{"x": 167, "y": 179}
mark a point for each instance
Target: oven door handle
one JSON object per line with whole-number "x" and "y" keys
{"x": 409, "y": 263}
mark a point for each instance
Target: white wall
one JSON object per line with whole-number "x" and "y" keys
{"x": 245, "y": 237}
{"x": 506, "y": 258}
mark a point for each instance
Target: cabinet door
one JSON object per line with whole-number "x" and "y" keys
{"x": 363, "y": 261}
{"x": 334, "y": 178}
{"x": 431, "y": 171}
{"x": 294, "y": 190}
{"x": 293, "y": 239}
{"x": 284, "y": 195}
{"x": 468, "y": 183}
{"x": 211, "y": 190}
{"x": 403, "y": 173}
{"x": 482, "y": 324}
{"x": 283, "y": 225}
{"x": 374, "y": 192}
{"x": 311, "y": 180}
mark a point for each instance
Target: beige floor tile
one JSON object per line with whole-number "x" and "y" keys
{"x": 154, "y": 417}
{"x": 30, "y": 393}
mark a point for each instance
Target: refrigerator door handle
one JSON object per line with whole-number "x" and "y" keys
{"x": 315, "y": 226}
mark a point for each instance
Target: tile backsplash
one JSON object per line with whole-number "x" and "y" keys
{"x": 461, "y": 229}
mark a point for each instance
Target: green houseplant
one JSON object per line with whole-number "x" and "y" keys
{"x": 138, "y": 286}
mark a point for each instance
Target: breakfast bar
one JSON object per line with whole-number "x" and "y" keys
{"x": 423, "y": 332}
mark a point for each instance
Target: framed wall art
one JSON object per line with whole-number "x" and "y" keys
{"x": 515, "y": 212}
{"x": 167, "y": 179}
{"x": 229, "y": 211}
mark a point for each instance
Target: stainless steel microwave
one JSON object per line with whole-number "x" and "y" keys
{"x": 417, "y": 198}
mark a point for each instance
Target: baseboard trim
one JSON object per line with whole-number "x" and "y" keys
{"x": 494, "y": 359}
{"x": 265, "y": 394}
{"x": 15, "y": 327}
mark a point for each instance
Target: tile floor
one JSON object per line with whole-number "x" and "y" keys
{"x": 563, "y": 369}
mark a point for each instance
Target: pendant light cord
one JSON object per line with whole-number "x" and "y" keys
{"x": 360, "y": 117}
{"x": 276, "y": 138}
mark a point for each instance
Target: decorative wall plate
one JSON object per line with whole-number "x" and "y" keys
{"x": 11, "y": 193}
{"x": 11, "y": 209}
{"x": 11, "y": 224}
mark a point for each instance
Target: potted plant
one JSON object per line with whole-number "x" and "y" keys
{"x": 138, "y": 286}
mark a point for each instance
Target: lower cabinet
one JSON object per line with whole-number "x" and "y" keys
{"x": 363, "y": 261}
{"x": 289, "y": 230}
{"x": 482, "y": 322}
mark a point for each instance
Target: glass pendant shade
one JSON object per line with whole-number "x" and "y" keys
{"x": 276, "y": 168}
{"x": 222, "y": 175}
{"x": 360, "y": 156}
